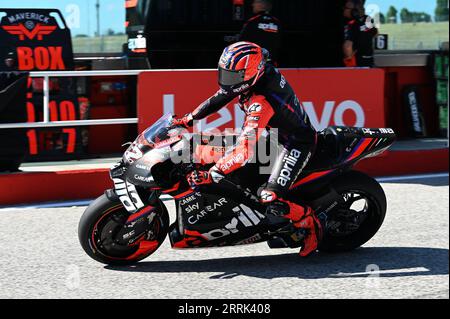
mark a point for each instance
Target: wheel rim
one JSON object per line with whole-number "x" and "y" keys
{"x": 104, "y": 237}
{"x": 357, "y": 210}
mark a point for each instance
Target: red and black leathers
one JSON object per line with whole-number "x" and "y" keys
{"x": 361, "y": 32}
{"x": 264, "y": 30}
{"x": 271, "y": 102}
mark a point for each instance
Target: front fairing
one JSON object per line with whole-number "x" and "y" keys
{"x": 132, "y": 176}
{"x": 149, "y": 148}
{"x": 140, "y": 171}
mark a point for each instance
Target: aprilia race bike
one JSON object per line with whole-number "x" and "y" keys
{"x": 130, "y": 222}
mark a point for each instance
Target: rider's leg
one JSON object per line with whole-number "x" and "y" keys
{"x": 290, "y": 163}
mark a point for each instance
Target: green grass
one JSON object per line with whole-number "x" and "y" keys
{"x": 416, "y": 36}
{"x": 408, "y": 36}
{"x": 99, "y": 44}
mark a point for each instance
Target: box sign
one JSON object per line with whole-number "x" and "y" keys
{"x": 39, "y": 40}
{"x": 35, "y": 40}
{"x": 349, "y": 97}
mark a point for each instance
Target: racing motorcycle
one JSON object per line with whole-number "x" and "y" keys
{"x": 130, "y": 222}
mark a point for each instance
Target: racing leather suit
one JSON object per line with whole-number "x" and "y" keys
{"x": 271, "y": 102}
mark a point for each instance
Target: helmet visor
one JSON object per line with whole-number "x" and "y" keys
{"x": 231, "y": 77}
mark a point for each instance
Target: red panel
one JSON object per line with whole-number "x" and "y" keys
{"x": 112, "y": 90}
{"x": 331, "y": 97}
{"x": 22, "y": 188}
{"x": 397, "y": 78}
{"x": 104, "y": 139}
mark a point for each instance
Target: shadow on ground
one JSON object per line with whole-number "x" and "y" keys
{"x": 392, "y": 262}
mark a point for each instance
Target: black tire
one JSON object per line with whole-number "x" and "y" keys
{"x": 91, "y": 221}
{"x": 360, "y": 183}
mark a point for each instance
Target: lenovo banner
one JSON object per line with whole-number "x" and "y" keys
{"x": 350, "y": 97}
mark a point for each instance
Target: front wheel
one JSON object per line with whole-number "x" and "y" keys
{"x": 359, "y": 217}
{"x": 110, "y": 235}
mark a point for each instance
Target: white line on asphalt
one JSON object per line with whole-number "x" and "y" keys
{"x": 411, "y": 177}
{"x": 62, "y": 204}
{"x": 49, "y": 205}
{"x": 382, "y": 272}
{"x": 166, "y": 197}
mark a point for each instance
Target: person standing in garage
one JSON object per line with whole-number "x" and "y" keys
{"x": 359, "y": 32}
{"x": 263, "y": 29}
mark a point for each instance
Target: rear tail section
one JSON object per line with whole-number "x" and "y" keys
{"x": 342, "y": 147}
{"x": 372, "y": 142}
{"x": 351, "y": 144}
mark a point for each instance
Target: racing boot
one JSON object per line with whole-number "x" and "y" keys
{"x": 302, "y": 218}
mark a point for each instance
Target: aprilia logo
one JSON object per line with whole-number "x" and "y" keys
{"x": 289, "y": 163}
{"x": 128, "y": 195}
{"x": 243, "y": 87}
{"x": 268, "y": 27}
{"x": 246, "y": 216}
{"x": 238, "y": 159}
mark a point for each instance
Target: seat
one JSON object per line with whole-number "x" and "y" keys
{"x": 333, "y": 142}
{"x": 328, "y": 150}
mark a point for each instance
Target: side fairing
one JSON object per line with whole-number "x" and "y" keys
{"x": 207, "y": 220}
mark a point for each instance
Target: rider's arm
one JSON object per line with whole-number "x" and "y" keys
{"x": 258, "y": 116}
{"x": 213, "y": 104}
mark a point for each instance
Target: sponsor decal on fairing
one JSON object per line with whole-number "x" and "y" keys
{"x": 289, "y": 161}
{"x": 207, "y": 209}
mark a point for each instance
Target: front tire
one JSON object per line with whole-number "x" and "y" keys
{"x": 339, "y": 237}
{"x": 104, "y": 231}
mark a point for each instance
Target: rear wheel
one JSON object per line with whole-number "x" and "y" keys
{"x": 359, "y": 218}
{"x": 110, "y": 235}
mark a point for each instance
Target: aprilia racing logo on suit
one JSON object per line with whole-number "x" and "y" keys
{"x": 268, "y": 27}
{"x": 289, "y": 163}
{"x": 242, "y": 88}
{"x": 238, "y": 159}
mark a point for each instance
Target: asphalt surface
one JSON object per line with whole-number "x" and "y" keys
{"x": 40, "y": 257}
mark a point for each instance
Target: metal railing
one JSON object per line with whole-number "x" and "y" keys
{"x": 46, "y": 100}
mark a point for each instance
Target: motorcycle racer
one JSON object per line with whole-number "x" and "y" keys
{"x": 268, "y": 101}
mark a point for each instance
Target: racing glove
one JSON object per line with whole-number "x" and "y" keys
{"x": 198, "y": 178}
{"x": 186, "y": 121}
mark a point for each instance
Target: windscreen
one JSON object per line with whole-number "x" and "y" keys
{"x": 161, "y": 131}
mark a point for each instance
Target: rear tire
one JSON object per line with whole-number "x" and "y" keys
{"x": 371, "y": 190}
{"x": 99, "y": 220}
